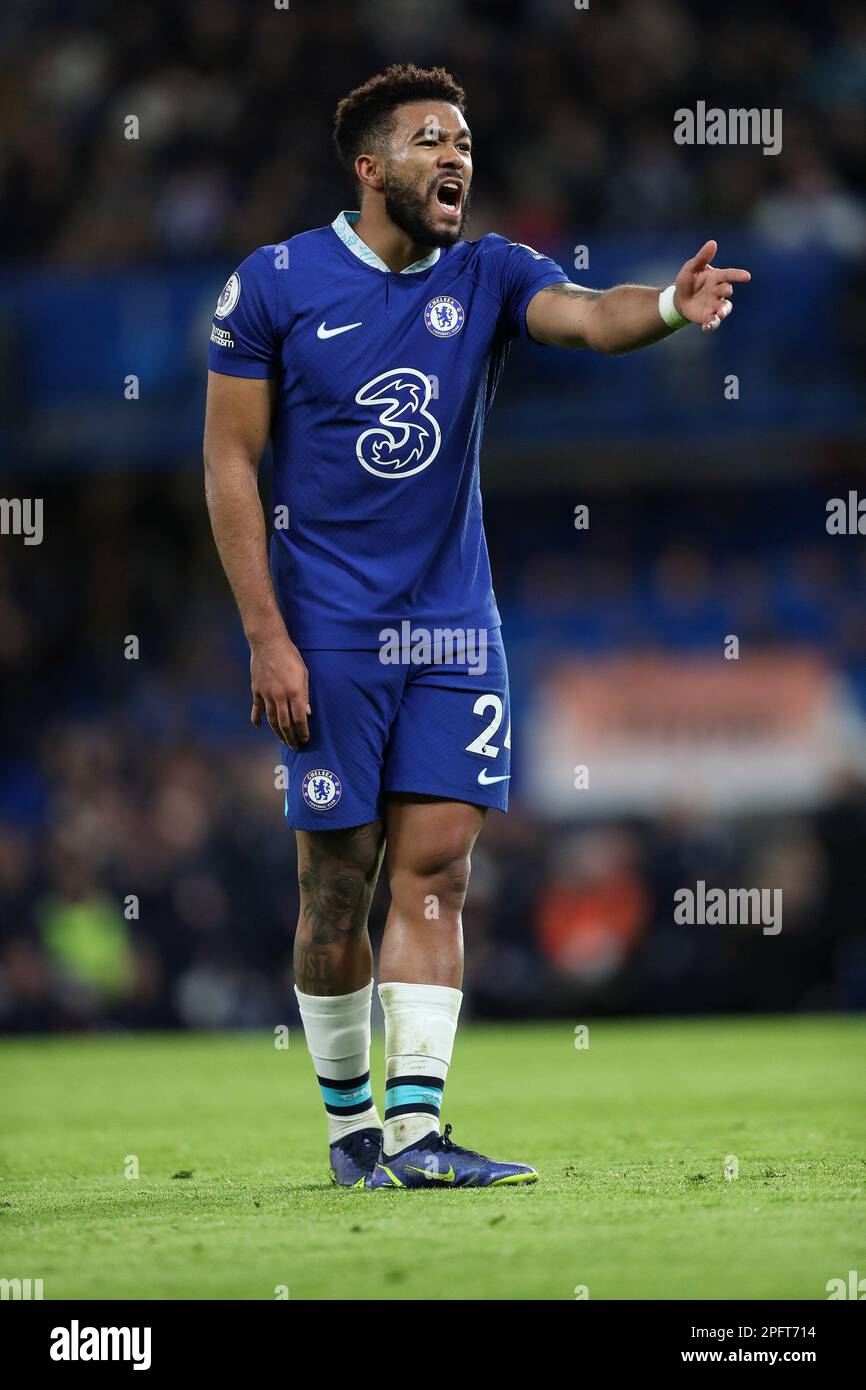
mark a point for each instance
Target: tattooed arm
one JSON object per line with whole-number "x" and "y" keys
{"x": 627, "y": 317}
{"x": 616, "y": 320}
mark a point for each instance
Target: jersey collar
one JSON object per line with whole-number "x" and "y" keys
{"x": 343, "y": 225}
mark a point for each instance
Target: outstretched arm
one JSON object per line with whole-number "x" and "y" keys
{"x": 628, "y": 317}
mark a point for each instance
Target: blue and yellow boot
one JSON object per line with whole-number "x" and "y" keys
{"x": 354, "y": 1158}
{"x": 435, "y": 1162}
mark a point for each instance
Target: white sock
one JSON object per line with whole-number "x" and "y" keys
{"x": 420, "y": 1023}
{"x": 337, "y": 1029}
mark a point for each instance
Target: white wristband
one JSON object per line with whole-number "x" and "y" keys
{"x": 668, "y": 310}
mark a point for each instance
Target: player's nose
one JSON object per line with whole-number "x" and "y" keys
{"x": 451, "y": 159}
{"x": 454, "y": 165}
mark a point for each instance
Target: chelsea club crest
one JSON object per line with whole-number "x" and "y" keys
{"x": 444, "y": 316}
{"x": 321, "y": 789}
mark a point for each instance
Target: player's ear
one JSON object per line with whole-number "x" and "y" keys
{"x": 368, "y": 170}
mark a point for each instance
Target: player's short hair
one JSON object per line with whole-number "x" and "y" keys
{"x": 364, "y": 119}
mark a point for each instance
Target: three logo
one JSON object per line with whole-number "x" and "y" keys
{"x": 406, "y": 440}
{"x": 407, "y": 437}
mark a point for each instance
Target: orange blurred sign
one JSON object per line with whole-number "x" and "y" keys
{"x": 766, "y": 731}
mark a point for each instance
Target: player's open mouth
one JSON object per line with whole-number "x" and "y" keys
{"x": 449, "y": 195}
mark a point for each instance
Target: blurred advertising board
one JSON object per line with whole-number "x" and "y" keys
{"x": 634, "y": 734}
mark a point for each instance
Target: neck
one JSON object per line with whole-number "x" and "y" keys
{"x": 390, "y": 244}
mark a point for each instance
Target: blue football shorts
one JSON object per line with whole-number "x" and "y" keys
{"x": 440, "y": 730}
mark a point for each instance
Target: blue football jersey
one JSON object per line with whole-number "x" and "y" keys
{"x": 384, "y": 382}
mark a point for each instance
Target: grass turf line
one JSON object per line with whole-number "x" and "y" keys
{"x": 630, "y": 1137}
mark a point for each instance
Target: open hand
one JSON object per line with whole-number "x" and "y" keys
{"x": 703, "y": 293}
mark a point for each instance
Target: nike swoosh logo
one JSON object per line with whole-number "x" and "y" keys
{"x": 435, "y": 1177}
{"x": 323, "y": 332}
{"x": 485, "y": 781}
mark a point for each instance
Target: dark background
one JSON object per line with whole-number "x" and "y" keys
{"x": 141, "y": 777}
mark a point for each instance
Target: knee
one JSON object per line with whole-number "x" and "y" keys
{"x": 440, "y": 871}
{"x": 337, "y": 889}
{"x": 452, "y": 883}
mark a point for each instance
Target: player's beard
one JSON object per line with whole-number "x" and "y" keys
{"x": 409, "y": 210}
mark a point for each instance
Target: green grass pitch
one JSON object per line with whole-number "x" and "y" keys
{"x": 631, "y": 1137}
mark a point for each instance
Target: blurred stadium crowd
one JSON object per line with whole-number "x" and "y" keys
{"x": 147, "y": 878}
{"x": 146, "y": 875}
{"x": 234, "y": 102}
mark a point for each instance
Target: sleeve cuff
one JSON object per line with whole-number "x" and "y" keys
{"x": 238, "y": 366}
{"x": 542, "y": 284}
